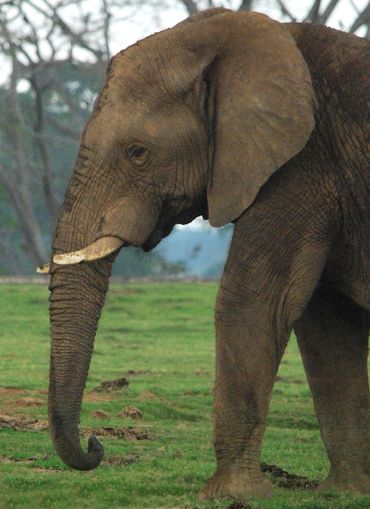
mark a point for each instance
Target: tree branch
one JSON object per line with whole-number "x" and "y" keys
{"x": 313, "y": 13}
{"x": 362, "y": 19}
{"x": 245, "y": 5}
{"x": 47, "y": 177}
{"x": 323, "y": 18}
{"x": 9, "y": 256}
{"x": 285, "y": 11}
{"x": 26, "y": 217}
{"x": 106, "y": 29}
{"x": 190, "y": 6}
{"x": 65, "y": 130}
{"x": 75, "y": 37}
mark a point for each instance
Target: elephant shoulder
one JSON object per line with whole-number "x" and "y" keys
{"x": 339, "y": 58}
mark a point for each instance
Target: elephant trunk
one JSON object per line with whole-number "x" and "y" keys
{"x": 93, "y": 220}
{"x": 76, "y": 300}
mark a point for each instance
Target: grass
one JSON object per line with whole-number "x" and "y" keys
{"x": 160, "y": 337}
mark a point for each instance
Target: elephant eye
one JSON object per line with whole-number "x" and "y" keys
{"x": 137, "y": 154}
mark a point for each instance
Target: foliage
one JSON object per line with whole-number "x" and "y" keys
{"x": 160, "y": 337}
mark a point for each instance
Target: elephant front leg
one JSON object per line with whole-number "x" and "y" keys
{"x": 266, "y": 285}
{"x": 333, "y": 339}
{"x": 248, "y": 352}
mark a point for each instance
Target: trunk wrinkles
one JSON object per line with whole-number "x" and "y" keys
{"x": 77, "y": 296}
{"x": 76, "y": 299}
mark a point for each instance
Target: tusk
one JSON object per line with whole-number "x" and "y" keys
{"x": 43, "y": 269}
{"x": 98, "y": 249}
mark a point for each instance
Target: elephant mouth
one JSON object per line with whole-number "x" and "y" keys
{"x": 102, "y": 248}
{"x": 170, "y": 217}
{"x": 159, "y": 233}
{"x": 108, "y": 244}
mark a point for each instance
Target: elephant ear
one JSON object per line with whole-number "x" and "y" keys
{"x": 264, "y": 104}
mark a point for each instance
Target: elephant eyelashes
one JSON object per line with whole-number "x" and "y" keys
{"x": 137, "y": 154}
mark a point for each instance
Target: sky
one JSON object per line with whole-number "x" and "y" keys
{"x": 133, "y": 23}
{"x": 142, "y": 23}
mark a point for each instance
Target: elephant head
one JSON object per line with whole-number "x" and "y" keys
{"x": 190, "y": 121}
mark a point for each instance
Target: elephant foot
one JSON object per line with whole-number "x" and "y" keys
{"x": 354, "y": 483}
{"x": 236, "y": 485}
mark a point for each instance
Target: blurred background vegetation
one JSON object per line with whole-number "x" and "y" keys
{"x": 53, "y": 56}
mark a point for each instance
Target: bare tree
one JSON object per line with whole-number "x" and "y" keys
{"x": 43, "y": 40}
{"x": 317, "y": 11}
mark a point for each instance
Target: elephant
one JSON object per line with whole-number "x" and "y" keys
{"x": 240, "y": 119}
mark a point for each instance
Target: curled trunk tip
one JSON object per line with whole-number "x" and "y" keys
{"x": 95, "y": 448}
{"x": 80, "y": 460}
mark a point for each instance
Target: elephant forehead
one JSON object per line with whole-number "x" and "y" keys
{"x": 138, "y": 73}
{"x": 120, "y": 121}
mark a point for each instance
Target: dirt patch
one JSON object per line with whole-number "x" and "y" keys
{"x": 10, "y": 459}
{"x": 8, "y": 422}
{"x": 182, "y": 425}
{"x": 15, "y": 407}
{"x": 239, "y": 505}
{"x": 147, "y": 396}
{"x": 132, "y": 372}
{"x": 112, "y": 385}
{"x": 14, "y": 399}
{"x": 46, "y": 470}
{"x": 22, "y": 424}
{"x": 122, "y": 433}
{"x": 285, "y": 480}
{"x": 101, "y": 414}
{"x": 9, "y": 391}
{"x": 122, "y": 460}
{"x": 201, "y": 372}
{"x": 131, "y": 412}
{"x": 24, "y": 402}
{"x": 97, "y": 397}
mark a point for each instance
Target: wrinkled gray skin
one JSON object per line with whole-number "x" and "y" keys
{"x": 214, "y": 117}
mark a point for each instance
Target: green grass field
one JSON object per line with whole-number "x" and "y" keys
{"x": 160, "y": 338}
